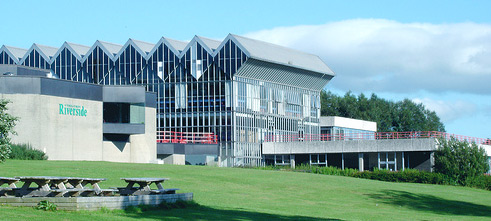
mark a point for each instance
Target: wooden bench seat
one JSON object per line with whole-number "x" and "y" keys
{"x": 165, "y": 191}
{"x": 106, "y": 192}
{"x": 7, "y": 191}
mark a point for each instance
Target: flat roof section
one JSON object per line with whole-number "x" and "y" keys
{"x": 334, "y": 121}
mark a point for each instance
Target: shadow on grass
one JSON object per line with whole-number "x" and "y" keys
{"x": 198, "y": 212}
{"x": 429, "y": 203}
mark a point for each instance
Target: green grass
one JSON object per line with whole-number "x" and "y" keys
{"x": 249, "y": 194}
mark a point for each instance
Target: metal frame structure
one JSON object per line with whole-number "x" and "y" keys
{"x": 241, "y": 90}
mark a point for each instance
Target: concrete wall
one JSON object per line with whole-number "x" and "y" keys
{"x": 96, "y": 203}
{"x": 68, "y": 137}
{"x": 140, "y": 148}
{"x": 177, "y": 159}
{"x": 61, "y": 137}
{"x": 144, "y": 146}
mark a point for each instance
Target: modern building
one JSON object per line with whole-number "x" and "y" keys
{"x": 352, "y": 143}
{"x": 239, "y": 89}
{"x": 79, "y": 121}
{"x": 236, "y": 102}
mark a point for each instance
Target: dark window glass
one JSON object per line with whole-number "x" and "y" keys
{"x": 116, "y": 112}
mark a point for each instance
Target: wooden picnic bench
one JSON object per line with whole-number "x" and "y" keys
{"x": 48, "y": 186}
{"x": 9, "y": 180}
{"x": 144, "y": 187}
{"x": 88, "y": 186}
{"x": 6, "y": 191}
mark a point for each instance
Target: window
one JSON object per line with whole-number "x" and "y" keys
{"x": 124, "y": 113}
{"x": 387, "y": 160}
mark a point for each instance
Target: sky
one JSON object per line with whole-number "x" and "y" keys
{"x": 433, "y": 52}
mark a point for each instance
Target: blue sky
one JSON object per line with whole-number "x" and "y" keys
{"x": 434, "y": 52}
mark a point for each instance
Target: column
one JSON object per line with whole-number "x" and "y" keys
{"x": 292, "y": 161}
{"x": 342, "y": 161}
{"x": 403, "y": 167}
{"x": 432, "y": 161}
{"x": 360, "y": 162}
{"x": 378, "y": 160}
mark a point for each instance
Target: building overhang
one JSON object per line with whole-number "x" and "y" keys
{"x": 121, "y": 128}
{"x": 349, "y": 146}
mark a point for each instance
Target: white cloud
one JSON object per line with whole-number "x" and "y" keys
{"x": 448, "y": 111}
{"x": 387, "y": 56}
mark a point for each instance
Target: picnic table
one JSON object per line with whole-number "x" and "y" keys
{"x": 6, "y": 191}
{"x": 87, "y": 186}
{"x": 144, "y": 186}
{"x": 45, "y": 186}
{"x": 10, "y": 181}
{"x": 60, "y": 186}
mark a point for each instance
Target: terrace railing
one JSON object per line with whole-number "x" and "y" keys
{"x": 186, "y": 137}
{"x": 374, "y": 136}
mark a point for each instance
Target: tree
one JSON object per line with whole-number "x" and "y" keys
{"x": 390, "y": 116}
{"x": 7, "y": 123}
{"x": 460, "y": 160}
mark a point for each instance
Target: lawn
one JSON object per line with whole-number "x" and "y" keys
{"x": 249, "y": 194}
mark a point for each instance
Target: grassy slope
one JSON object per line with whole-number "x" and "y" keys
{"x": 256, "y": 194}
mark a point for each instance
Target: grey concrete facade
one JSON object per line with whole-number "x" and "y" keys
{"x": 64, "y": 119}
{"x": 349, "y": 146}
{"x": 357, "y": 154}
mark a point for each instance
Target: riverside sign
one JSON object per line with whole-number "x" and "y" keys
{"x": 74, "y": 110}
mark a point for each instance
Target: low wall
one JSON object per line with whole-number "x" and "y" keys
{"x": 96, "y": 203}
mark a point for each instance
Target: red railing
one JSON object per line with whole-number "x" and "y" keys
{"x": 186, "y": 137}
{"x": 374, "y": 136}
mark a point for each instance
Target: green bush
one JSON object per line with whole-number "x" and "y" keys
{"x": 334, "y": 171}
{"x": 460, "y": 160}
{"x": 4, "y": 151}
{"x": 407, "y": 176}
{"x": 26, "y": 152}
{"x": 46, "y": 206}
{"x": 481, "y": 182}
{"x": 7, "y": 123}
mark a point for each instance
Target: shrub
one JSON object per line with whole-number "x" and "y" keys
{"x": 459, "y": 160}
{"x": 7, "y": 123}
{"x": 26, "y": 152}
{"x": 481, "y": 182}
{"x": 5, "y": 150}
{"x": 46, "y": 206}
{"x": 407, "y": 176}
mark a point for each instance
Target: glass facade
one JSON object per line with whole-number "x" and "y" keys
{"x": 342, "y": 133}
{"x": 36, "y": 60}
{"x": 97, "y": 67}
{"x": 67, "y": 66}
{"x": 199, "y": 91}
{"x": 5, "y": 58}
{"x": 266, "y": 109}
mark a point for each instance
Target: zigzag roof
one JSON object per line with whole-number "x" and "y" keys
{"x": 15, "y": 53}
{"x": 77, "y": 50}
{"x": 47, "y": 52}
{"x": 254, "y": 49}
